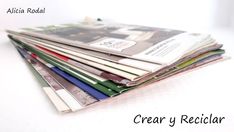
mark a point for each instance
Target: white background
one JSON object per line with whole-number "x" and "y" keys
{"x": 24, "y": 107}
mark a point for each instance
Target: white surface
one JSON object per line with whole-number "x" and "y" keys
{"x": 25, "y": 107}
{"x": 165, "y": 13}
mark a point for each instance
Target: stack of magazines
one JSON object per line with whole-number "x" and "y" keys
{"x": 80, "y": 64}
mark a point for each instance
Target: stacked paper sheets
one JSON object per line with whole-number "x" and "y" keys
{"x": 83, "y": 63}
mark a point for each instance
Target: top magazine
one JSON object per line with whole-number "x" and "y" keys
{"x": 126, "y": 42}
